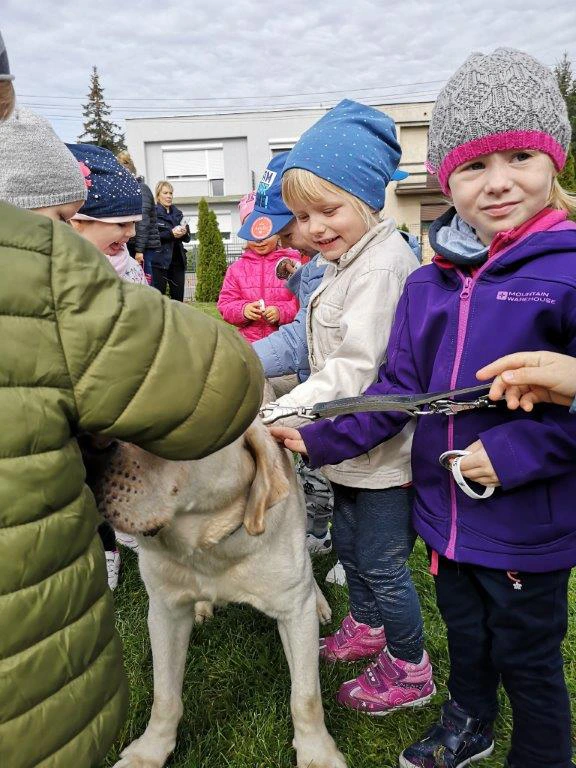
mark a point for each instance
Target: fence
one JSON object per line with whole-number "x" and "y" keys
{"x": 233, "y": 247}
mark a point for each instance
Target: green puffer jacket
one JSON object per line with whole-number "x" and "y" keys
{"x": 82, "y": 351}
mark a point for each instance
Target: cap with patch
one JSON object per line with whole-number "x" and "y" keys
{"x": 270, "y": 213}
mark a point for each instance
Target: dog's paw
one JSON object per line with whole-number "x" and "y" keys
{"x": 322, "y": 608}
{"x": 331, "y": 759}
{"x": 203, "y": 610}
{"x": 136, "y": 755}
{"x": 135, "y": 761}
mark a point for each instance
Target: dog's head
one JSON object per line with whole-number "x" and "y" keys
{"x": 139, "y": 493}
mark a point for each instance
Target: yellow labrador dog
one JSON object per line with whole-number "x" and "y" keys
{"x": 227, "y": 528}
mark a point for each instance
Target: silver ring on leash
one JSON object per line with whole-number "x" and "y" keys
{"x": 450, "y": 460}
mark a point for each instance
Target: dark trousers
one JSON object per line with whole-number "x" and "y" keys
{"x": 507, "y": 627}
{"x": 108, "y": 536}
{"x": 373, "y": 536}
{"x": 173, "y": 276}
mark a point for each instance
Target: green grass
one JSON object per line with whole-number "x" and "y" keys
{"x": 208, "y": 307}
{"x": 236, "y": 688}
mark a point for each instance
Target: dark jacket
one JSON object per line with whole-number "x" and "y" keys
{"x": 82, "y": 350}
{"x": 449, "y": 323}
{"x": 147, "y": 237}
{"x": 171, "y": 248}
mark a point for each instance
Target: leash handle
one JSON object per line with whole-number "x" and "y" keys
{"x": 450, "y": 460}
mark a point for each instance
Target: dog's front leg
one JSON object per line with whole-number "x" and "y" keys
{"x": 169, "y": 636}
{"x": 315, "y": 748}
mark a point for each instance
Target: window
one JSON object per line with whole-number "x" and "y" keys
{"x": 217, "y": 187}
{"x": 281, "y": 145}
{"x": 201, "y": 162}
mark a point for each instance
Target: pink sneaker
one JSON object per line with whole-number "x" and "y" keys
{"x": 352, "y": 641}
{"x": 389, "y": 684}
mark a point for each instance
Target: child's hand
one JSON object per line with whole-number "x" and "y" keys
{"x": 526, "y": 378}
{"x": 289, "y": 438}
{"x": 272, "y": 315}
{"x": 253, "y": 310}
{"x": 477, "y": 466}
{"x": 285, "y": 268}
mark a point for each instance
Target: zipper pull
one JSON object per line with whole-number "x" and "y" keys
{"x": 466, "y": 289}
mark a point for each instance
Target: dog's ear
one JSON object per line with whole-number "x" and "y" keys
{"x": 270, "y": 484}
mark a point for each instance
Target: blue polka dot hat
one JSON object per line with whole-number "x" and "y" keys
{"x": 113, "y": 193}
{"x": 354, "y": 147}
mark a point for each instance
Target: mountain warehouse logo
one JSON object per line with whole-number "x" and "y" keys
{"x": 522, "y": 296}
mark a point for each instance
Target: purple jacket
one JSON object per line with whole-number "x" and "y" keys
{"x": 448, "y": 324}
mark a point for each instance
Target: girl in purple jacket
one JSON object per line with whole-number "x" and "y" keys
{"x": 503, "y": 280}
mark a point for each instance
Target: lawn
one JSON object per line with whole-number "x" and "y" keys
{"x": 236, "y": 688}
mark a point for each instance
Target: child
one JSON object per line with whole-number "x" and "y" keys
{"x": 107, "y": 219}
{"x": 334, "y": 181}
{"x": 252, "y": 297}
{"x": 503, "y": 280}
{"x": 284, "y": 353}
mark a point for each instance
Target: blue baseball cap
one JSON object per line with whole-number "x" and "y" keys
{"x": 270, "y": 213}
{"x": 354, "y": 147}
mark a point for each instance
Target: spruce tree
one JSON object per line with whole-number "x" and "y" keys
{"x": 211, "y": 263}
{"x": 567, "y": 84}
{"x": 98, "y": 128}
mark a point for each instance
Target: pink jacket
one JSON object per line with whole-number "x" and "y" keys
{"x": 249, "y": 279}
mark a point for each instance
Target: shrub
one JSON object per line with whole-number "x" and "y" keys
{"x": 211, "y": 259}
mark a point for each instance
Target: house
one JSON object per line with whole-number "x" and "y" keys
{"x": 221, "y": 157}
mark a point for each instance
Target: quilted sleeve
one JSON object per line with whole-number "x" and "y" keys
{"x": 146, "y": 369}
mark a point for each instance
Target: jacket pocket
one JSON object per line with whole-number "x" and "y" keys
{"x": 326, "y": 328}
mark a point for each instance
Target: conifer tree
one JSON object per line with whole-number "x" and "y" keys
{"x": 98, "y": 128}
{"x": 567, "y": 84}
{"x": 211, "y": 263}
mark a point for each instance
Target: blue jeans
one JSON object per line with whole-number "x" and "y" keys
{"x": 373, "y": 535}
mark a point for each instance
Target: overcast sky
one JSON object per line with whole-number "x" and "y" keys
{"x": 179, "y": 57}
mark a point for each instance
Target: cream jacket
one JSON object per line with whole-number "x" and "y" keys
{"x": 349, "y": 319}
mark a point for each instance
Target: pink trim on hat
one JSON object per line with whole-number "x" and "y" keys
{"x": 498, "y": 142}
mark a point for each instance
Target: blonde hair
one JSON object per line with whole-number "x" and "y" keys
{"x": 7, "y": 99}
{"x": 301, "y": 186}
{"x": 125, "y": 159}
{"x": 561, "y": 199}
{"x": 159, "y": 186}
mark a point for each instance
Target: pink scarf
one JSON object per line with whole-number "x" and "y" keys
{"x": 120, "y": 262}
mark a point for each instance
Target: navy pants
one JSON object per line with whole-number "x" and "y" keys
{"x": 174, "y": 277}
{"x": 507, "y": 627}
{"x": 373, "y": 535}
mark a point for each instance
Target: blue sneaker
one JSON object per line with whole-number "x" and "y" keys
{"x": 457, "y": 740}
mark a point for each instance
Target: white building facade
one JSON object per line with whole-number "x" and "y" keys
{"x": 221, "y": 157}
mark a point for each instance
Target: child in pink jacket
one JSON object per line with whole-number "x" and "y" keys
{"x": 252, "y": 297}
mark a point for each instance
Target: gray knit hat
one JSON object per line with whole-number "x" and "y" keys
{"x": 494, "y": 102}
{"x": 4, "y": 66}
{"x": 36, "y": 168}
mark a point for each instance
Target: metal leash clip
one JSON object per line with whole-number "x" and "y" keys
{"x": 273, "y": 412}
{"x": 450, "y": 407}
